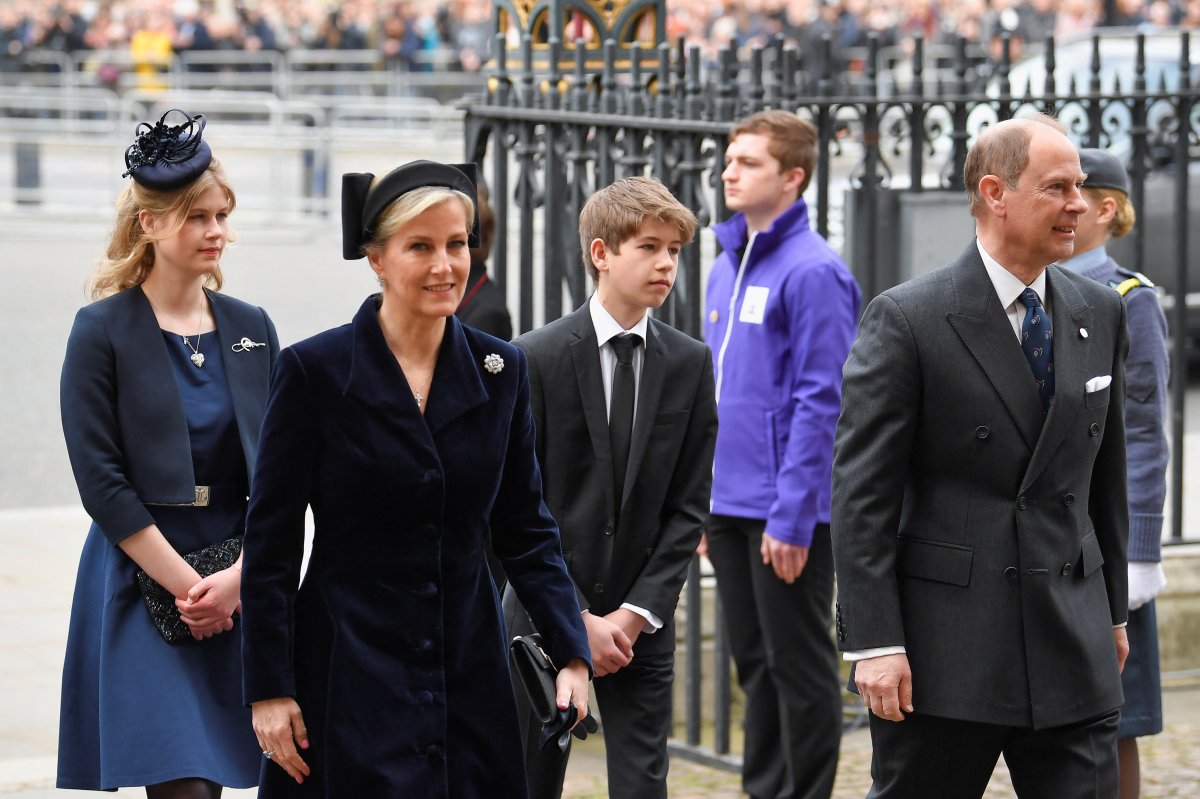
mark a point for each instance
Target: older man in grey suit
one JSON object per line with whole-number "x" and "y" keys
{"x": 979, "y": 511}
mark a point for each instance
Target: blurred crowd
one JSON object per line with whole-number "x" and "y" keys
{"x": 457, "y": 34}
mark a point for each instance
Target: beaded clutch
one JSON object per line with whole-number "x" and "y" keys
{"x": 161, "y": 602}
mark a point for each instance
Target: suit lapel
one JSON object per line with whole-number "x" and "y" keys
{"x": 984, "y": 328}
{"x": 376, "y": 380}
{"x": 1070, "y": 313}
{"x": 585, "y": 354}
{"x": 654, "y": 369}
{"x": 243, "y": 370}
{"x": 457, "y": 385}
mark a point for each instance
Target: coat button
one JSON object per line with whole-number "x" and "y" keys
{"x": 608, "y": 530}
{"x": 434, "y": 752}
{"x": 1069, "y": 500}
{"x": 982, "y": 432}
{"x": 424, "y": 645}
{"x": 425, "y": 697}
{"x": 1022, "y": 503}
{"x": 1094, "y": 429}
{"x": 598, "y": 588}
{"x": 1066, "y": 569}
{"x": 431, "y": 475}
{"x": 1011, "y": 573}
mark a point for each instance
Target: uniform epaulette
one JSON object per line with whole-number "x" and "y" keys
{"x": 1129, "y": 281}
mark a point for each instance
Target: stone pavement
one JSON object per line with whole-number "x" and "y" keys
{"x": 37, "y": 572}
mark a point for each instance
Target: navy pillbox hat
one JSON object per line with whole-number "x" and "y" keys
{"x": 165, "y": 156}
{"x": 1104, "y": 170}
{"x": 362, "y": 205}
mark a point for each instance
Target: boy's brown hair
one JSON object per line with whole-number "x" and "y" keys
{"x": 617, "y": 212}
{"x": 793, "y": 141}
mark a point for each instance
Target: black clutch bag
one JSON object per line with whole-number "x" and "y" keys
{"x": 161, "y": 602}
{"x": 536, "y": 673}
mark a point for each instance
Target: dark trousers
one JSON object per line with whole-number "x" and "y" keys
{"x": 787, "y": 666}
{"x": 635, "y": 715}
{"x": 927, "y": 757}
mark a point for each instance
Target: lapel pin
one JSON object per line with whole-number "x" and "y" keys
{"x": 1083, "y": 332}
{"x": 245, "y": 345}
{"x": 493, "y": 363}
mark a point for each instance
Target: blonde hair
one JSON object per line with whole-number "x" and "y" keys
{"x": 1125, "y": 217}
{"x": 617, "y": 212}
{"x": 130, "y": 254}
{"x": 409, "y": 206}
{"x": 1003, "y": 151}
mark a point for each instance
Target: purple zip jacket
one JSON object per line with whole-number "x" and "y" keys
{"x": 780, "y": 322}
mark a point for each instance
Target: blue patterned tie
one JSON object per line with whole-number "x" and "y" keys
{"x": 1037, "y": 342}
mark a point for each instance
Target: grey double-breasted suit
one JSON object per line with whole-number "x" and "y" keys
{"x": 985, "y": 537}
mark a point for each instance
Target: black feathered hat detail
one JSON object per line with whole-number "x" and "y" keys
{"x": 165, "y": 156}
{"x": 362, "y": 205}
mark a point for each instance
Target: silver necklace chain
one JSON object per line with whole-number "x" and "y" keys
{"x": 197, "y": 356}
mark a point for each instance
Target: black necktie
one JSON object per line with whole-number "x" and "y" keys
{"x": 1037, "y": 342}
{"x": 620, "y": 413}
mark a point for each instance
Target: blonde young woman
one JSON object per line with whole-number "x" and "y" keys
{"x": 163, "y": 390}
{"x": 410, "y": 436}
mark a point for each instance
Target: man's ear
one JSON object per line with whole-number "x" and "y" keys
{"x": 599, "y": 252}
{"x": 795, "y": 179}
{"x": 991, "y": 189}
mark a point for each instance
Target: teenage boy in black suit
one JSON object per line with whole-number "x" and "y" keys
{"x": 626, "y": 424}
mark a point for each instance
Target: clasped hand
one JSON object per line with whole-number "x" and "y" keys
{"x": 210, "y": 604}
{"x": 611, "y": 638}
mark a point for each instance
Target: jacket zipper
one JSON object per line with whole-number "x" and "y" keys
{"x": 737, "y": 287}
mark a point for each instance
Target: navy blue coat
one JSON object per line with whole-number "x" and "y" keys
{"x": 393, "y": 645}
{"x": 122, "y": 413}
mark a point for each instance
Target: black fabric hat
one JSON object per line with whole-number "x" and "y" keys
{"x": 1104, "y": 170}
{"x": 165, "y": 156}
{"x": 362, "y": 205}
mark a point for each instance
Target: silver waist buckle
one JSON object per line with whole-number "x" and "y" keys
{"x": 201, "y": 497}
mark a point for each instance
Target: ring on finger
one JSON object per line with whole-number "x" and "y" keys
{"x": 268, "y": 753}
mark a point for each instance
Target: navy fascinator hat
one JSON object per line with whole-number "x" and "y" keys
{"x": 166, "y": 156}
{"x": 362, "y": 205}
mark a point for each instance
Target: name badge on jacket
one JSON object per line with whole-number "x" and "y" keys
{"x": 754, "y": 304}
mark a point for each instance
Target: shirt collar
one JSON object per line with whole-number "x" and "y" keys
{"x": 607, "y": 327}
{"x": 1094, "y": 260}
{"x": 1008, "y": 286}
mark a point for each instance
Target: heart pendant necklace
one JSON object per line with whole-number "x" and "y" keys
{"x": 197, "y": 356}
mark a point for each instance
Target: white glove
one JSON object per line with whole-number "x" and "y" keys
{"x": 1145, "y": 581}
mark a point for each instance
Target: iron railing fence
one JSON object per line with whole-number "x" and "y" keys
{"x": 552, "y": 133}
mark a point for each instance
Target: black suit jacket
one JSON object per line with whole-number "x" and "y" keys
{"x": 644, "y": 560}
{"x": 122, "y": 413}
{"x": 985, "y": 537}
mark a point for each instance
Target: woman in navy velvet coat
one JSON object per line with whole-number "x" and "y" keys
{"x": 409, "y": 435}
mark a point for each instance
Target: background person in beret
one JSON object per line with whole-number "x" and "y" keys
{"x": 163, "y": 391}
{"x": 410, "y": 436}
{"x": 1111, "y": 215}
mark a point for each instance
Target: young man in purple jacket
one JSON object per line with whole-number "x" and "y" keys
{"x": 782, "y": 310}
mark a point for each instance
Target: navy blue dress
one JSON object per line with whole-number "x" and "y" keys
{"x": 135, "y": 709}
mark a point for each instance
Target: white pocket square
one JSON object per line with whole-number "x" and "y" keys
{"x": 1097, "y": 383}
